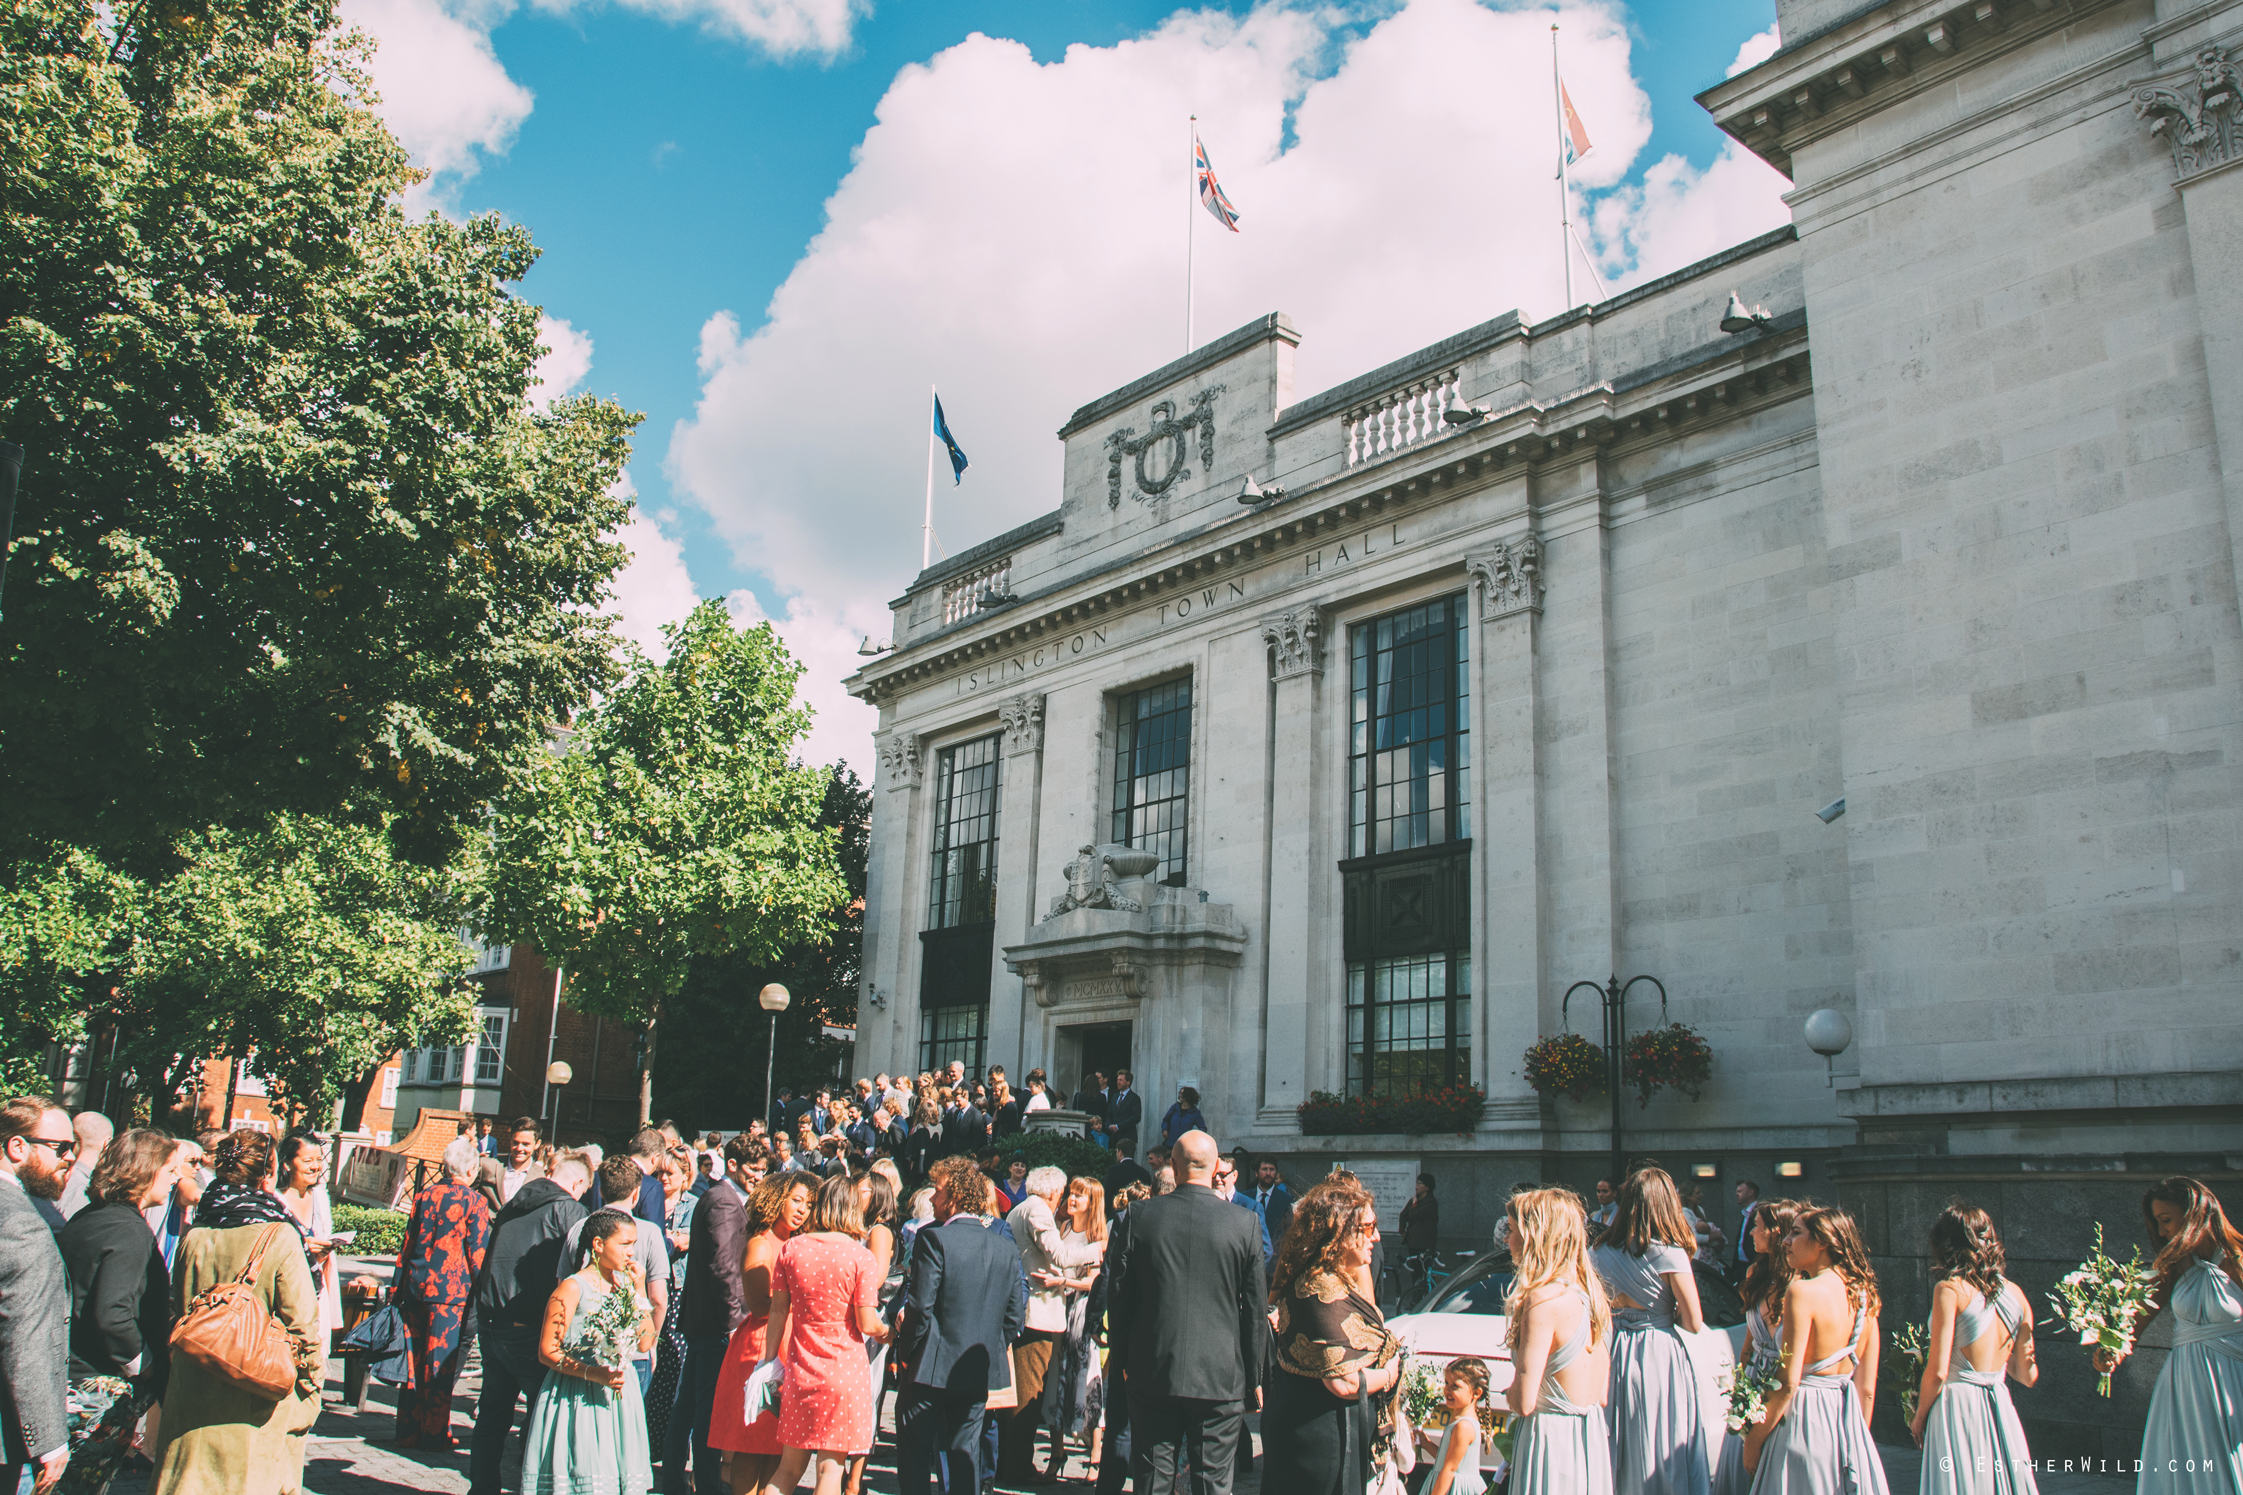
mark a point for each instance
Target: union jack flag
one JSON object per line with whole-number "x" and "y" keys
{"x": 1211, "y": 191}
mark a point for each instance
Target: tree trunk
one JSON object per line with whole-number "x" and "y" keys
{"x": 646, "y": 1068}
{"x": 233, "y": 1077}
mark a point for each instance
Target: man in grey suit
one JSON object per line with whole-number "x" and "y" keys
{"x": 36, "y": 1146}
{"x": 967, "y": 1299}
{"x": 1185, "y": 1320}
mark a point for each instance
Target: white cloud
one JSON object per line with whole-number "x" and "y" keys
{"x": 1755, "y": 51}
{"x": 782, "y": 28}
{"x": 823, "y": 637}
{"x": 1013, "y": 231}
{"x": 564, "y": 363}
{"x": 1681, "y": 214}
{"x": 652, "y": 588}
{"x": 444, "y": 93}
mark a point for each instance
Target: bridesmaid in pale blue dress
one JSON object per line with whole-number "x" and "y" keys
{"x": 2192, "y": 1442}
{"x": 587, "y": 1433}
{"x": 1765, "y": 1282}
{"x": 1816, "y": 1439}
{"x": 1456, "y": 1466}
{"x": 1980, "y": 1335}
{"x": 1658, "y": 1431}
{"x": 1561, "y": 1346}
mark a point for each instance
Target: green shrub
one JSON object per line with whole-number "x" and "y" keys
{"x": 1058, "y": 1150}
{"x": 381, "y": 1232}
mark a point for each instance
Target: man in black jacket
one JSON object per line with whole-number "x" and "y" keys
{"x": 964, "y": 1129}
{"x": 520, "y": 1270}
{"x": 1091, "y": 1100}
{"x": 967, "y": 1300}
{"x": 1185, "y": 1319}
{"x": 1126, "y": 1171}
{"x": 711, "y": 1307}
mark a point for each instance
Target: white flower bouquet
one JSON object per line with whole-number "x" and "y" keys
{"x": 608, "y": 1335}
{"x": 2103, "y": 1300}
{"x": 1747, "y": 1391}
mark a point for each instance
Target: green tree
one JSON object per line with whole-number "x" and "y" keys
{"x": 714, "y": 1081}
{"x": 289, "y": 538}
{"x": 307, "y": 946}
{"x": 673, "y": 827}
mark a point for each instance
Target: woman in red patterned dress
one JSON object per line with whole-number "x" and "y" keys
{"x": 825, "y": 1303}
{"x": 436, "y": 1267}
{"x": 776, "y": 1209}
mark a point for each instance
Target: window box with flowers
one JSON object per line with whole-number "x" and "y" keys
{"x": 1455, "y": 1108}
{"x": 1566, "y": 1064}
{"x": 1676, "y": 1057}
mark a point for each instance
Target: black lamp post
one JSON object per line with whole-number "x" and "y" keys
{"x": 1614, "y": 998}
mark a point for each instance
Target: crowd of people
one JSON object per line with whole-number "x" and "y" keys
{"x": 726, "y": 1316}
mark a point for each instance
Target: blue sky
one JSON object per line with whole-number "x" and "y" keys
{"x": 673, "y": 170}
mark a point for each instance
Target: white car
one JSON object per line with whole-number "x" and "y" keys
{"x": 1464, "y": 1316}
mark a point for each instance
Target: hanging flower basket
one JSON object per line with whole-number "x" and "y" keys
{"x": 1455, "y": 1109}
{"x": 1674, "y": 1057}
{"x": 1567, "y": 1064}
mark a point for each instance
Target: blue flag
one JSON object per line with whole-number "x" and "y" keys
{"x": 950, "y": 444}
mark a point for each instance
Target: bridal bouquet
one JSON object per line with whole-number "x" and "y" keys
{"x": 2102, "y": 1300}
{"x": 1748, "y": 1391}
{"x": 1909, "y": 1349}
{"x": 608, "y": 1335}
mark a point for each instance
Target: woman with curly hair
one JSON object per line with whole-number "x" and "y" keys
{"x": 1658, "y": 1429}
{"x": 1981, "y": 1333}
{"x": 1561, "y": 1345}
{"x": 1815, "y": 1440}
{"x": 2194, "y": 1408}
{"x": 1332, "y": 1397}
{"x": 777, "y": 1208}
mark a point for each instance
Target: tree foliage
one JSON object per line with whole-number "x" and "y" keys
{"x": 713, "y": 1080}
{"x": 289, "y": 539}
{"x": 307, "y": 945}
{"x": 673, "y": 827}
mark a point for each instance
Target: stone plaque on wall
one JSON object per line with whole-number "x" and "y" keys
{"x": 1391, "y": 1181}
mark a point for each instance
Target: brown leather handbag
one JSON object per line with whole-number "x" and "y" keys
{"x": 228, "y": 1331}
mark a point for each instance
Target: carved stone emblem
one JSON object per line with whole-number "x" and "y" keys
{"x": 2197, "y": 114}
{"x": 1023, "y": 719}
{"x": 1510, "y": 577}
{"x": 899, "y": 755}
{"x": 1296, "y": 641}
{"x": 1168, "y": 446}
{"x": 1092, "y": 875}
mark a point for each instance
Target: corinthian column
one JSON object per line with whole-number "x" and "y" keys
{"x": 1021, "y": 809}
{"x": 1296, "y": 652}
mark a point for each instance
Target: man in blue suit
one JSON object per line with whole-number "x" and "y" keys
{"x": 965, "y": 1305}
{"x": 1126, "y": 1117}
{"x": 1274, "y": 1199}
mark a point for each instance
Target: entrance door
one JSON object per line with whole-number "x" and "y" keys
{"x": 1103, "y": 1047}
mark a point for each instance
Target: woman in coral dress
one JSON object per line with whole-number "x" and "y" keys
{"x": 777, "y": 1209}
{"x": 825, "y": 1303}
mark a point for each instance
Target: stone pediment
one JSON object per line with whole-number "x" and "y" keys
{"x": 1125, "y": 938}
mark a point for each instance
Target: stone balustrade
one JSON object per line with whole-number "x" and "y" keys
{"x": 1406, "y": 416}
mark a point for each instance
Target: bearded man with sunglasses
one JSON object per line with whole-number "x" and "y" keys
{"x": 36, "y": 1149}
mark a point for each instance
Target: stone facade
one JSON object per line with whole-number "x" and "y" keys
{"x": 1951, "y": 536}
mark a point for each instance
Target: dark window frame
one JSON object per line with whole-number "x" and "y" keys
{"x": 1172, "y": 723}
{"x": 1410, "y": 702}
{"x": 962, "y": 867}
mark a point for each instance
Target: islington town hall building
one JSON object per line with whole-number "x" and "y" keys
{"x": 1321, "y": 741}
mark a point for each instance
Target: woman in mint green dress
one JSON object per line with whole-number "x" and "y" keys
{"x": 2192, "y": 1441}
{"x": 588, "y": 1431}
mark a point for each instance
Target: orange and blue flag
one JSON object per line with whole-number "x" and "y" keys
{"x": 1211, "y": 191}
{"x": 1574, "y": 133}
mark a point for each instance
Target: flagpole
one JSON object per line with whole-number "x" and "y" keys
{"x": 1565, "y": 186}
{"x": 1191, "y": 223}
{"x": 927, "y": 525}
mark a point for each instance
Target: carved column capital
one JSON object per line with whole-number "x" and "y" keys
{"x": 1510, "y": 577}
{"x": 1130, "y": 971}
{"x": 1033, "y": 982}
{"x": 1023, "y": 719}
{"x": 899, "y": 755}
{"x": 1296, "y": 639}
{"x": 2200, "y": 113}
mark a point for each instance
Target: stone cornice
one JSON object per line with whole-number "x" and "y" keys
{"x": 1888, "y": 52}
{"x": 1275, "y": 327}
{"x": 1721, "y": 381}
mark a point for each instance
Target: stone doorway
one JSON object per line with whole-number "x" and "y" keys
{"x": 1103, "y": 1047}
